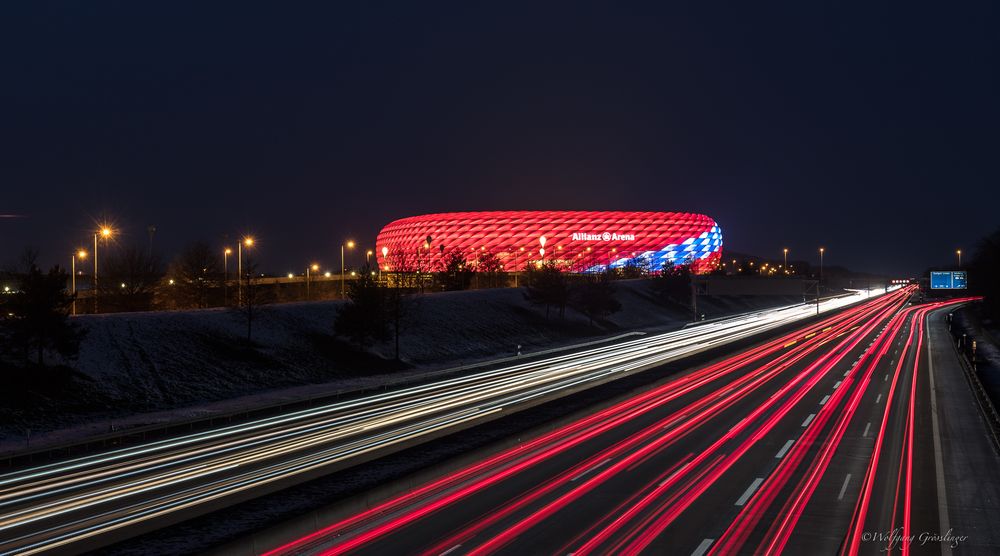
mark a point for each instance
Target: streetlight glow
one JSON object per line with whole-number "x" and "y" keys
{"x": 349, "y": 245}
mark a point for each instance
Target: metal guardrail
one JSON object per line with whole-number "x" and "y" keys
{"x": 987, "y": 409}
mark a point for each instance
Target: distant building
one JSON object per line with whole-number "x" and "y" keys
{"x": 578, "y": 241}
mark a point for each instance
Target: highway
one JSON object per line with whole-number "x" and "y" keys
{"x": 86, "y": 502}
{"x": 821, "y": 441}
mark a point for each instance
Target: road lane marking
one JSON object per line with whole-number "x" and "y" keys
{"x": 749, "y": 492}
{"x": 848, "y": 371}
{"x": 450, "y": 550}
{"x": 703, "y": 547}
{"x": 808, "y": 420}
{"x": 591, "y": 468}
{"x": 824, "y": 400}
{"x": 942, "y": 492}
{"x": 784, "y": 449}
{"x": 886, "y": 379}
{"x": 835, "y": 386}
{"x": 674, "y": 474}
{"x": 868, "y": 426}
{"x": 843, "y": 489}
{"x": 879, "y": 398}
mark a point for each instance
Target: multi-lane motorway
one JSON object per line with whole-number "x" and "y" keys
{"x": 89, "y": 501}
{"x": 825, "y": 440}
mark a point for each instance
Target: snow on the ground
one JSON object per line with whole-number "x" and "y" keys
{"x": 145, "y": 368}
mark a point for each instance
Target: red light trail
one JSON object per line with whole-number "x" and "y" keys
{"x": 778, "y": 379}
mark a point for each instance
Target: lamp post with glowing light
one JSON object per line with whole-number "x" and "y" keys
{"x": 959, "y": 253}
{"x": 313, "y": 267}
{"x": 821, "y": 251}
{"x": 541, "y": 251}
{"x": 350, "y": 245}
{"x": 785, "y": 250}
{"x": 385, "y": 261}
{"x": 80, "y": 254}
{"x": 248, "y": 243}
{"x": 104, "y": 233}
{"x": 225, "y": 275}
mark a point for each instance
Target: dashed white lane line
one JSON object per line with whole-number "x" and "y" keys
{"x": 824, "y": 400}
{"x": 879, "y": 398}
{"x": 848, "y": 371}
{"x": 674, "y": 474}
{"x": 886, "y": 379}
{"x": 809, "y": 419}
{"x": 784, "y": 449}
{"x": 942, "y": 491}
{"x": 843, "y": 489}
{"x": 589, "y": 469}
{"x": 835, "y": 386}
{"x": 703, "y": 547}
{"x": 865, "y": 434}
{"x": 750, "y": 490}
{"x": 450, "y": 550}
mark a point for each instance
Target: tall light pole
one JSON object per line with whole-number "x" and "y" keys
{"x": 785, "y": 250}
{"x": 821, "y": 251}
{"x": 385, "y": 260}
{"x": 350, "y": 245}
{"x": 959, "y": 253}
{"x": 80, "y": 254}
{"x": 313, "y": 267}
{"x": 225, "y": 275}
{"x": 368, "y": 256}
{"x": 104, "y": 232}
{"x": 541, "y": 251}
{"x": 248, "y": 243}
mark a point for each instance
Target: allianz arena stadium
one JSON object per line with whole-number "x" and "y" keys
{"x": 577, "y": 241}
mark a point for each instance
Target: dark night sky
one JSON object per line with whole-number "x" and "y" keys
{"x": 872, "y": 130}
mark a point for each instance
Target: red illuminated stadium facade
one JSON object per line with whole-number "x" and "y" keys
{"x": 577, "y": 241}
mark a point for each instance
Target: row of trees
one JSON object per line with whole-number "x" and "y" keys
{"x": 984, "y": 273}
{"x": 594, "y": 294}
{"x": 380, "y": 309}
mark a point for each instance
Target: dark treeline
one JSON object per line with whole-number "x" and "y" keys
{"x": 984, "y": 273}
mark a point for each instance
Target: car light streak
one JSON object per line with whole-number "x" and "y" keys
{"x": 402, "y": 519}
{"x": 58, "y": 504}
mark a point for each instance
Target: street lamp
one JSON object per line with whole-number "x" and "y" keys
{"x": 313, "y": 267}
{"x": 822, "y": 250}
{"x": 786, "y": 257}
{"x": 959, "y": 253}
{"x": 80, "y": 254}
{"x": 105, "y": 232}
{"x": 350, "y": 245}
{"x": 541, "y": 251}
{"x": 248, "y": 243}
{"x": 225, "y": 275}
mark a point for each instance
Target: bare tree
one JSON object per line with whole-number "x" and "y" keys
{"x": 489, "y": 265}
{"x": 196, "y": 275}
{"x": 129, "y": 278}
